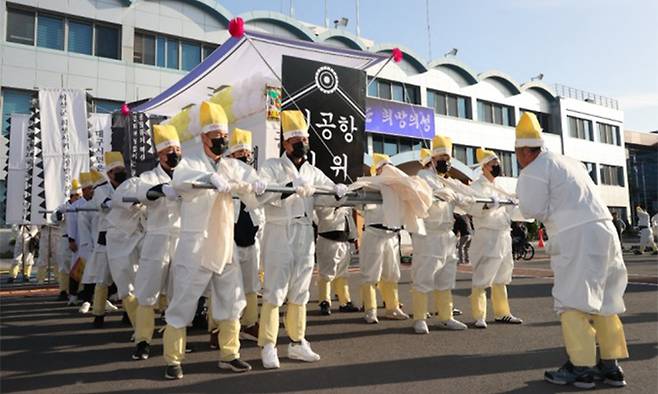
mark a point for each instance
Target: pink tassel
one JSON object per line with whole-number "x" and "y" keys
{"x": 125, "y": 111}
{"x": 236, "y": 27}
{"x": 396, "y": 54}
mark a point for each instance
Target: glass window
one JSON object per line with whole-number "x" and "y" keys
{"x": 172, "y": 53}
{"x": 384, "y": 89}
{"x": 412, "y": 94}
{"x": 80, "y": 37}
{"x": 452, "y": 105}
{"x": 14, "y": 101}
{"x": 407, "y": 144}
{"x": 160, "y": 51}
{"x": 20, "y": 26}
{"x": 208, "y": 49}
{"x": 50, "y": 32}
{"x": 377, "y": 143}
{"x": 431, "y": 100}
{"x": 372, "y": 88}
{"x": 461, "y": 108}
{"x": 106, "y": 106}
{"x": 498, "y": 114}
{"x": 441, "y": 108}
{"x": 144, "y": 51}
{"x": 470, "y": 156}
{"x": 398, "y": 93}
{"x": 191, "y": 55}
{"x": 108, "y": 42}
{"x": 459, "y": 153}
{"x": 390, "y": 146}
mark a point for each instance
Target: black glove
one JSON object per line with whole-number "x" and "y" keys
{"x": 58, "y": 216}
{"x": 155, "y": 192}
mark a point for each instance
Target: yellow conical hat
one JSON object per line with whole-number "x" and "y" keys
{"x": 441, "y": 146}
{"x": 378, "y": 160}
{"x": 96, "y": 176}
{"x": 75, "y": 187}
{"x": 86, "y": 180}
{"x": 425, "y": 156}
{"x": 293, "y": 124}
{"x": 165, "y": 136}
{"x": 240, "y": 139}
{"x": 528, "y": 131}
{"x": 484, "y": 156}
{"x": 212, "y": 118}
{"x": 113, "y": 160}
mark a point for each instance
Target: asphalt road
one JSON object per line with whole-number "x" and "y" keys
{"x": 48, "y": 347}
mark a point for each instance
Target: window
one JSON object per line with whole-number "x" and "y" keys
{"x": 191, "y": 55}
{"x": 591, "y": 169}
{"x": 609, "y": 134}
{"x": 20, "y": 26}
{"x": 50, "y": 31}
{"x": 580, "y": 128}
{"x": 144, "y": 50}
{"x": 389, "y": 90}
{"x": 14, "y": 101}
{"x": 496, "y": 113}
{"x": 508, "y": 164}
{"x": 612, "y": 175}
{"x": 449, "y": 104}
{"x": 463, "y": 153}
{"x": 208, "y": 50}
{"x": 544, "y": 121}
{"x": 172, "y": 53}
{"x": 106, "y": 106}
{"x": 108, "y": 42}
{"x": 80, "y": 37}
{"x": 160, "y": 51}
{"x": 392, "y": 145}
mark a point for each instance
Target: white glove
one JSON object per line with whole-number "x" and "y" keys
{"x": 299, "y": 182}
{"x": 259, "y": 187}
{"x": 495, "y": 204}
{"x": 340, "y": 189}
{"x": 169, "y": 192}
{"x": 464, "y": 200}
{"x": 446, "y": 195}
{"x": 305, "y": 191}
{"x": 220, "y": 184}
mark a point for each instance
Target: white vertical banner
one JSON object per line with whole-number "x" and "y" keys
{"x": 65, "y": 148}
{"x": 16, "y": 168}
{"x": 100, "y": 134}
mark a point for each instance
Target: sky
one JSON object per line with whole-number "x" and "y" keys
{"x": 607, "y": 47}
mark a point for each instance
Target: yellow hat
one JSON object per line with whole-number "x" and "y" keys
{"x": 96, "y": 177}
{"x": 240, "y": 139}
{"x": 212, "y": 118}
{"x": 378, "y": 160}
{"x": 528, "y": 131}
{"x": 165, "y": 136}
{"x": 441, "y": 146}
{"x": 425, "y": 156}
{"x": 86, "y": 179}
{"x": 484, "y": 156}
{"x": 293, "y": 124}
{"x": 113, "y": 160}
{"x": 75, "y": 187}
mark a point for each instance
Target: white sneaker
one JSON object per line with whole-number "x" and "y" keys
{"x": 396, "y": 314}
{"x": 453, "y": 324}
{"x": 269, "y": 357}
{"x": 73, "y": 300}
{"x": 109, "y": 307}
{"x": 420, "y": 327}
{"x": 509, "y": 319}
{"x": 84, "y": 308}
{"x": 480, "y": 323}
{"x": 371, "y": 316}
{"x": 302, "y": 351}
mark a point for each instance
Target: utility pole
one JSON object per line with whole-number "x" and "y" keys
{"x": 358, "y": 25}
{"x": 429, "y": 33}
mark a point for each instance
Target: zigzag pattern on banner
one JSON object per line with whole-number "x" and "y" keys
{"x": 141, "y": 144}
{"x": 66, "y": 142}
{"x": 38, "y": 175}
{"x": 3, "y": 203}
{"x": 34, "y": 124}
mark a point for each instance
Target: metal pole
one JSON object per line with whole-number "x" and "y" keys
{"x": 358, "y": 21}
{"x": 429, "y": 34}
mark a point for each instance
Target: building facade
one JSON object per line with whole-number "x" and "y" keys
{"x": 128, "y": 50}
{"x": 642, "y": 164}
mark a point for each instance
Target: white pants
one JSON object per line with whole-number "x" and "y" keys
{"x": 190, "y": 281}
{"x": 249, "y": 258}
{"x": 379, "y": 256}
{"x": 590, "y": 275}
{"x": 48, "y": 243}
{"x": 288, "y": 254}
{"x": 97, "y": 269}
{"x": 152, "y": 274}
{"x": 333, "y": 258}
{"x": 63, "y": 254}
{"x": 491, "y": 256}
{"x": 434, "y": 264}
{"x": 21, "y": 246}
{"x": 646, "y": 239}
{"x": 123, "y": 258}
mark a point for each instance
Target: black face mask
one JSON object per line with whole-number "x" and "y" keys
{"x": 173, "y": 159}
{"x": 121, "y": 176}
{"x": 442, "y": 166}
{"x": 245, "y": 159}
{"x": 300, "y": 149}
{"x": 495, "y": 171}
{"x": 219, "y": 146}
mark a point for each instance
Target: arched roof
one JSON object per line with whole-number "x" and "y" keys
{"x": 456, "y": 65}
{"x": 344, "y": 36}
{"x": 543, "y": 89}
{"x": 416, "y": 61}
{"x": 280, "y": 20}
{"x": 212, "y": 6}
{"x": 501, "y": 77}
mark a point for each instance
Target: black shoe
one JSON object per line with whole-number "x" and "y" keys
{"x": 173, "y": 372}
{"x": 457, "y": 312}
{"x": 142, "y": 352}
{"x": 11, "y": 280}
{"x": 580, "y": 377}
{"x": 214, "y": 340}
{"x": 63, "y": 296}
{"x": 26, "y": 279}
{"x": 235, "y": 365}
{"x": 98, "y": 321}
{"x": 348, "y": 308}
{"x": 125, "y": 319}
{"x": 611, "y": 375}
{"x": 325, "y": 308}
{"x": 637, "y": 252}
